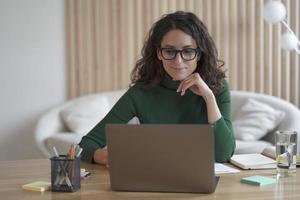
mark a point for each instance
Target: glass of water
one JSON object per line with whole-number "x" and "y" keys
{"x": 286, "y": 151}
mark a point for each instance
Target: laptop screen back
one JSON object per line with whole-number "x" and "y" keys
{"x": 165, "y": 158}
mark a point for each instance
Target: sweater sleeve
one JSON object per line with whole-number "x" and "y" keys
{"x": 223, "y": 131}
{"x": 123, "y": 111}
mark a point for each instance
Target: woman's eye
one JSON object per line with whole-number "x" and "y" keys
{"x": 170, "y": 51}
{"x": 188, "y": 51}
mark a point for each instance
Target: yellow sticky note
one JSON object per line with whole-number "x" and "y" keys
{"x": 298, "y": 159}
{"x": 39, "y": 186}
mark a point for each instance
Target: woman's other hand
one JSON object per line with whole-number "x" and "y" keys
{"x": 101, "y": 157}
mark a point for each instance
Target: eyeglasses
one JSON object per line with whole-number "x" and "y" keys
{"x": 186, "y": 54}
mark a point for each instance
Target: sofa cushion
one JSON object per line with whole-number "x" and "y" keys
{"x": 84, "y": 114}
{"x": 255, "y": 119}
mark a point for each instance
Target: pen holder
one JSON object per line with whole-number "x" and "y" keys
{"x": 65, "y": 174}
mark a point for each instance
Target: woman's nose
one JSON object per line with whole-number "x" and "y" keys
{"x": 178, "y": 58}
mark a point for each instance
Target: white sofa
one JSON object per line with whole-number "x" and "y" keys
{"x": 83, "y": 113}
{"x": 289, "y": 122}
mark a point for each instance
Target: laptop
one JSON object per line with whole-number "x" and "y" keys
{"x": 161, "y": 158}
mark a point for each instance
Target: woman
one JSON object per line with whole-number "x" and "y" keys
{"x": 177, "y": 80}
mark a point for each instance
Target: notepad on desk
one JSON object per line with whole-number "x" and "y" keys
{"x": 258, "y": 180}
{"x": 39, "y": 186}
{"x": 253, "y": 161}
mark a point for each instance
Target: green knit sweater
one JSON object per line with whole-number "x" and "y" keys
{"x": 163, "y": 105}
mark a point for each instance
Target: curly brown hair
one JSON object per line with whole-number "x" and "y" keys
{"x": 149, "y": 71}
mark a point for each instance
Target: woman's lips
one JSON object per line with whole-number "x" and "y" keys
{"x": 178, "y": 68}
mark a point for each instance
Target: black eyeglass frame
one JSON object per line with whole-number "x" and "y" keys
{"x": 197, "y": 51}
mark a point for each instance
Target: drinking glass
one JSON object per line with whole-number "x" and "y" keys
{"x": 286, "y": 150}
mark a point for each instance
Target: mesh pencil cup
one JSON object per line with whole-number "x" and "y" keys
{"x": 65, "y": 174}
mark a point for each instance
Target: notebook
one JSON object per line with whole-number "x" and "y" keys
{"x": 161, "y": 158}
{"x": 253, "y": 161}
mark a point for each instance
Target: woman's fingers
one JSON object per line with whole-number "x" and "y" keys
{"x": 187, "y": 83}
{"x": 183, "y": 82}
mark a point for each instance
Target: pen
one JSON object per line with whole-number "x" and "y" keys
{"x": 72, "y": 152}
{"x": 55, "y": 152}
{"x": 77, "y": 147}
{"x": 70, "y": 162}
{"x": 79, "y": 152}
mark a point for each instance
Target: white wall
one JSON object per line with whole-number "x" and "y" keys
{"x": 32, "y": 70}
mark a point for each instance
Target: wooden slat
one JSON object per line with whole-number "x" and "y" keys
{"x": 215, "y": 18}
{"x": 207, "y": 14}
{"x": 180, "y": 5}
{"x": 285, "y": 63}
{"x": 287, "y": 69}
{"x": 172, "y": 6}
{"x": 199, "y": 8}
{"x": 259, "y": 47}
{"x": 115, "y": 41}
{"x": 88, "y": 46}
{"x": 294, "y": 70}
{"x": 80, "y": 53}
{"x": 233, "y": 75}
{"x": 224, "y": 35}
{"x": 267, "y": 55}
{"x": 71, "y": 46}
{"x": 96, "y": 42}
{"x": 276, "y": 61}
{"x": 131, "y": 40}
{"x": 190, "y": 5}
{"x": 138, "y": 32}
{"x": 250, "y": 42}
{"x": 105, "y": 45}
{"x": 163, "y": 6}
{"x": 122, "y": 46}
{"x": 241, "y": 53}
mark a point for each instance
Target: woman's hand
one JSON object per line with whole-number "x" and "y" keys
{"x": 195, "y": 83}
{"x": 101, "y": 156}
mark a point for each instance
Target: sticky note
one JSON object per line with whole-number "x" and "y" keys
{"x": 39, "y": 186}
{"x": 258, "y": 180}
{"x": 298, "y": 160}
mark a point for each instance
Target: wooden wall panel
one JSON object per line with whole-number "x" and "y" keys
{"x": 105, "y": 38}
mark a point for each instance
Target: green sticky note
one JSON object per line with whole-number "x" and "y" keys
{"x": 258, "y": 180}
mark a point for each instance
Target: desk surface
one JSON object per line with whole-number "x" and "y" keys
{"x": 14, "y": 174}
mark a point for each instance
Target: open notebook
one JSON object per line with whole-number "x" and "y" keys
{"x": 253, "y": 161}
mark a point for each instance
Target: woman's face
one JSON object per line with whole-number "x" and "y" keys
{"x": 178, "y": 65}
